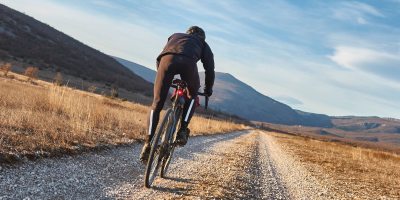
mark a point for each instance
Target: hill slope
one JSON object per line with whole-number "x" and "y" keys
{"x": 25, "y": 38}
{"x": 146, "y": 73}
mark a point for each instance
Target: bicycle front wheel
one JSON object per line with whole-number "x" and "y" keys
{"x": 155, "y": 158}
{"x": 170, "y": 145}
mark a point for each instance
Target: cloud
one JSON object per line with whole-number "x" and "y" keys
{"x": 361, "y": 20}
{"x": 362, "y": 7}
{"x": 288, "y": 100}
{"x": 108, "y": 4}
{"x": 379, "y": 63}
{"x": 355, "y": 11}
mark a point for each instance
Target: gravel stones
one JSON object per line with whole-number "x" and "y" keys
{"x": 237, "y": 165}
{"x": 284, "y": 177}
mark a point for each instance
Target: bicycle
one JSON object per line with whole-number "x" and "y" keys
{"x": 162, "y": 150}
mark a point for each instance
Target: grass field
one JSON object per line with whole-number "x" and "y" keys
{"x": 42, "y": 117}
{"x": 354, "y": 170}
{"x": 350, "y": 142}
{"x": 387, "y": 131}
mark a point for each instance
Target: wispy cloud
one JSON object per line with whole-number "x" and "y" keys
{"x": 361, "y": 20}
{"x": 363, "y": 8}
{"x": 355, "y": 11}
{"x": 108, "y": 4}
{"x": 288, "y": 100}
{"x": 379, "y": 63}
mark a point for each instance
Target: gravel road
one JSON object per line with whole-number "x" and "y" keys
{"x": 238, "y": 165}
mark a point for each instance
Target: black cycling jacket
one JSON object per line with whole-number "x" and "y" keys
{"x": 192, "y": 46}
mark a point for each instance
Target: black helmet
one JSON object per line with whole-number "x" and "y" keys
{"x": 197, "y": 31}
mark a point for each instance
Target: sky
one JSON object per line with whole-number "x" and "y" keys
{"x": 332, "y": 57}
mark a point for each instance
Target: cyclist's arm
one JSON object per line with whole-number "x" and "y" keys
{"x": 207, "y": 58}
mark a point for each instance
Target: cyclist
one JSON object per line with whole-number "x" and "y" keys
{"x": 180, "y": 56}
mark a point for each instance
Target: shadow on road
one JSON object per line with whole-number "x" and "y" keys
{"x": 195, "y": 147}
{"x": 181, "y": 190}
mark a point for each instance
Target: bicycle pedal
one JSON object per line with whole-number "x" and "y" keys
{"x": 178, "y": 144}
{"x": 144, "y": 162}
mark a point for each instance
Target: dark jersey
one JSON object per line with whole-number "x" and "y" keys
{"x": 192, "y": 46}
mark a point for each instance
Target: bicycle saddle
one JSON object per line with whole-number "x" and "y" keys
{"x": 179, "y": 82}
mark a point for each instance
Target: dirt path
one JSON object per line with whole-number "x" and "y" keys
{"x": 237, "y": 165}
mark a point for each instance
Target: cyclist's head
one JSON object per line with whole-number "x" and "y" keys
{"x": 197, "y": 31}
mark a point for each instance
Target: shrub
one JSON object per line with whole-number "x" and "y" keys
{"x": 123, "y": 99}
{"x": 30, "y": 62}
{"x": 31, "y": 72}
{"x": 115, "y": 86}
{"x": 24, "y": 60}
{"x": 5, "y": 68}
{"x": 84, "y": 78}
{"x": 58, "y": 79}
{"x": 108, "y": 84}
{"x": 92, "y": 89}
{"x": 15, "y": 58}
{"x": 3, "y": 55}
{"x": 114, "y": 93}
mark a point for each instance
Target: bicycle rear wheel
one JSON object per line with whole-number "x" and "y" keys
{"x": 155, "y": 158}
{"x": 170, "y": 145}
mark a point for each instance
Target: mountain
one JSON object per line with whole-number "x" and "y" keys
{"x": 237, "y": 98}
{"x": 24, "y": 38}
{"x": 146, "y": 73}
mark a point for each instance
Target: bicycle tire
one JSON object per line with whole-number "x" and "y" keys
{"x": 166, "y": 162}
{"x": 150, "y": 173}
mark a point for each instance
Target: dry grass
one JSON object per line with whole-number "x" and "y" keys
{"x": 387, "y": 133}
{"x": 36, "y": 118}
{"x": 351, "y": 142}
{"x": 203, "y": 126}
{"x": 355, "y": 170}
{"x": 5, "y": 68}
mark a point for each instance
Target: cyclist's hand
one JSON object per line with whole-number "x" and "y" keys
{"x": 208, "y": 92}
